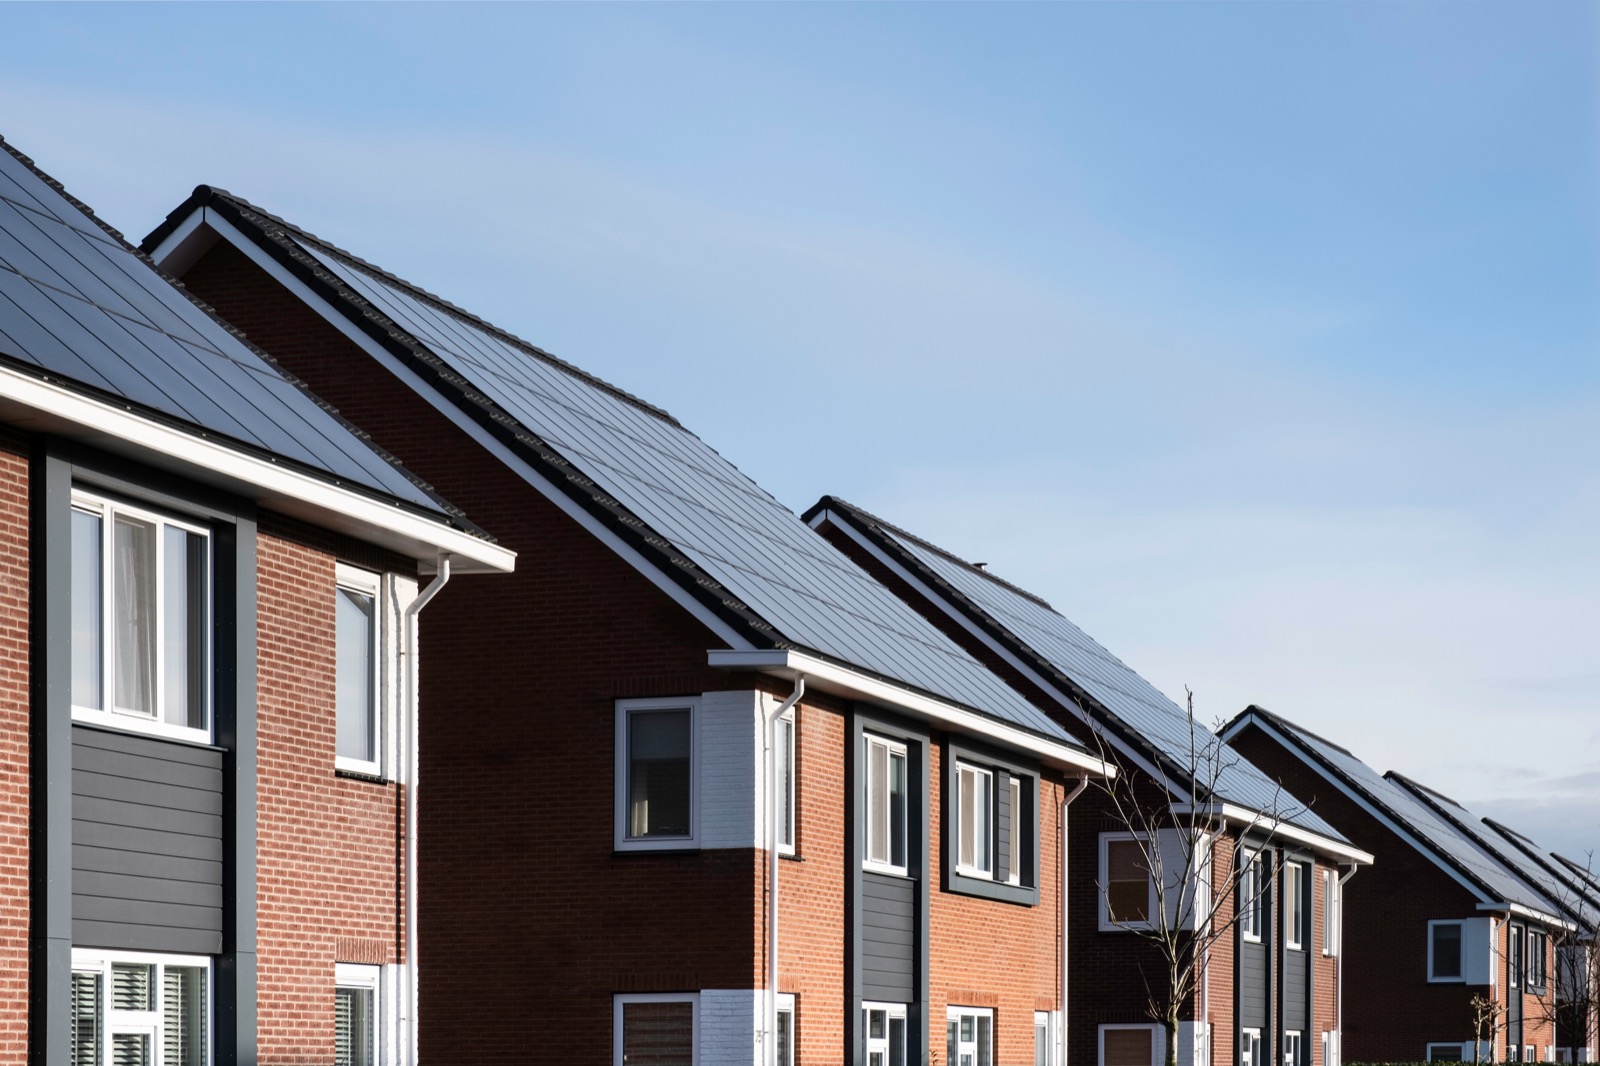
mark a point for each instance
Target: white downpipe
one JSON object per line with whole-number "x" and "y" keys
{"x": 769, "y": 1040}
{"x": 409, "y": 679}
{"x": 1061, "y": 1021}
{"x": 1338, "y": 970}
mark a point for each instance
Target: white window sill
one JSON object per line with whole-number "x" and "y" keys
{"x": 138, "y": 724}
{"x": 871, "y": 867}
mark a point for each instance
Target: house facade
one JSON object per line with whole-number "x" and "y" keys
{"x": 1263, "y": 984}
{"x": 1439, "y": 921}
{"x": 716, "y": 795}
{"x": 209, "y": 583}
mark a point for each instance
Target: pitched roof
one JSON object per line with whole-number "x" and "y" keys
{"x": 81, "y": 307}
{"x": 1433, "y": 820}
{"x": 1571, "y": 884}
{"x": 667, "y": 494}
{"x": 1096, "y": 682}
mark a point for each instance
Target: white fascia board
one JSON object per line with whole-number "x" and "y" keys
{"x": 1123, "y": 750}
{"x": 459, "y": 418}
{"x": 1278, "y": 829}
{"x": 1361, "y": 801}
{"x": 47, "y": 406}
{"x": 1531, "y": 913}
{"x": 842, "y": 681}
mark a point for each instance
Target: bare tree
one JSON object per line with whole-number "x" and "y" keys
{"x": 1488, "y": 1019}
{"x": 1572, "y": 1005}
{"x": 1196, "y": 893}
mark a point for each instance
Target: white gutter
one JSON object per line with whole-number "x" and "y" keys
{"x": 47, "y": 405}
{"x": 409, "y": 679}
{"x": 842, "y": 681}
{"x": 1530, "y": 913}
{"x": 1277, "y": 827}
{"x": 770, "y": 1043}
{"x": 1061, "y": 1022}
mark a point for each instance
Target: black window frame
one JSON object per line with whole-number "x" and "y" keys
{"x": 1003, "y": 767}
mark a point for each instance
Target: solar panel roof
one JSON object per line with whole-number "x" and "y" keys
{"x": 1029, "y": 623}
{"x": 80, "y": 304}
{"x": 686, "y": 495}
{"x": 1415, "y": 814}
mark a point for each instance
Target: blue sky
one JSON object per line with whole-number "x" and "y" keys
{"x": 1263, "y": 340}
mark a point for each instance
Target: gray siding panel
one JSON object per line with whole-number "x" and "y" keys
{"x": 1252, "y": 992}
{"x": 147, "y": 851}
{"x": 1296, "y": 991}
{"x": 888, "y": 926}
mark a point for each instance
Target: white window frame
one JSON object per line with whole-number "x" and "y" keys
{"x": 1516, "y": 957}
{"x": 1332, "y": 911}
{"x": 1157, "y": 1040}
{"x": 1330, "y": 1048}
{"x": 1461, "y": 929}
{"x": 868, "y": 1044}
{"x": 1250, "y": 1047}
{"x": 982, "y": 779}
{"x": 1458, "y": 1047}
{"x": 369, "y": 978}
{"x": 1294, "y": 906}
{"x": 115, "y": 1021}
{"x": 955, "y": 1014}
{"x": 127, "y": 721}
{"x": 1293, "y": 1044}
{"x": 620, "y": 999}
{"x": 788, "y": 831}
{"x": 368, "y": 584}
{"x": 1014, "y": 837}
{"x": 1152, "y": 904}
{"x": 894, "y": 747}
{"x": 621, "y": 841}
{"x": 1543, "y": 955}
{"x": 786, "y": 1005}
{"x": 1252, "y": 896}
{"x": 1046, "y": 1019}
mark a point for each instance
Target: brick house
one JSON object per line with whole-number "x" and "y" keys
{"x": 717, "y": 795}
{"x": 1439, "y": 920}
{"x": 204, "y": 722}
{"x": 1267, "y": 979}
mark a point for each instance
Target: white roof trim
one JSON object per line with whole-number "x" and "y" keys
{"x": 48, "y": 406}
{"x": 842, "y": 681}
{"x": 487, "y": 441}
{"x": 1279, "y": 829}
{"x": 1531, "y": 913}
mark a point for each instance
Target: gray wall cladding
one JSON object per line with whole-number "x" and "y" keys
{"x": 1297, "y": 992}
{"x": 1253, "y": 985}
{"x": 146, "y": 843}
{"x": 888, "y": 926}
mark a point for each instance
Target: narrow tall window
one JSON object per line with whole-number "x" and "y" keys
{"x": 1291, "y": 1049}
{"x": 1538, "y": 950}
{"x": 1252, "y": 893}
{"x": 356, "y": 670}
{"x": 886, "y": 804}
{"x": 974, "y": 821}
{"x": 1015, "y": 830}
{"x": 1128, "y": 885}
{"x": 1515, "y": 957}
{"x": 659, "y": 776}
{"x": 883, "y": 1033}
{"x": 1043, "y": 1046}
{"x": 786, "y": 780}
{"x": 785, "y": 1033}
{"x": 1250, "y": 1048}
{"x": 355, "y": 1015}
{"x": 1331, "y": 904}
{"x": 1294, "y": 905}
{"x": 141, "y": 619}
{"x": 1444, "y": 951}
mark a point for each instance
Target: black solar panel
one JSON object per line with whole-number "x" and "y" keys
{"x": 80, "y": 304}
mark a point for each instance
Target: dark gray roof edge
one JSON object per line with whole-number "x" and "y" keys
{"x": 452, "y": 514}
{"x": 1103, "y": 717}
{"x": 205, "y": 195}
{"x": 1293, "y": 733}
{"x": 1553, "y": 864}
{"x": 1422, "y": 790}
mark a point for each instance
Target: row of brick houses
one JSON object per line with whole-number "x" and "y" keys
{"x": 692, "y": 780}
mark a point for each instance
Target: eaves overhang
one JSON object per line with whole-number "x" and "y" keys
{"x": 45, "y": 404}
{"x": 1530, "y": 913}
{"x": 1244, "y": 820}
{"x": 840, "y": 680}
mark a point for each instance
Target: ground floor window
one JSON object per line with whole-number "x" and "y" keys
{"x": 1291, "y": 1049}
{"x": 785, "y": 1029}
{"x": 883, "y": 1029}
{"x": 1250, "y": 1047}
{"x": 355, "y": 1015}
{"x": 140, "y": 1010}
{"x": 971, "y": 1033}
{"x": 654, "y": 1029}
{"x": 1044, "y": 1038}
{"x": 1445, "y": 1052}
{"x": 1128, "y": 1045}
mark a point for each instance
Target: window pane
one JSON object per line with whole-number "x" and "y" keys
{"x": 1447, "y": 951}
{"x": 85, "y": 1019}
{"x": 985, "y": 1040}
{"x": 897, "y": 809}
{"x": 785, "y": 1037}
{"x": 130, "y": 1049}
{"x": 132, "y": 986}
{"x": 1014, "y": 851}
{"x": 1127, "y": 1047}
{"x": 786, "y": 782}
{"x": 355, "y": 620}
{"x": 133, "y": 560}
{"x": 184, "y": 629}
{"x": 352, "y": 1027}
{"x": 183, "y": 1016}
{"x": 1128, "y": 888}
{"x": 87, "y": 621}
{"x": 877, "y": 802}
{"x": 967, "y": 816}
{"x": 951, "y": 1042}
{"x": 1041, "y": 1045}
{"x": 658, "y": 778}
{"x": 658, "y": 1034}
{"x": 876, "y": 1021}
{"x": 897, "y": 1042}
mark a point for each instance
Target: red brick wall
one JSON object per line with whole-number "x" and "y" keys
{"x": 1325, "y": 968}
{"x": 329, "y": 882}
{"x": 14, "y": 793}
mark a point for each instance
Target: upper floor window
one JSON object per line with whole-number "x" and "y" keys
{"x": 974, "y": 821}
{"x": 1444, "y": 951}
{"x": 656, "y": 755}
{"x": 886, "y": 805}
{"x": 1514, "y": 957}
{"x": 1538, "y": 949}
{"x": 1252, "y": 896}
{"x": 1128, "y": 891}
{"x": 141, "y": 619}
{"x": 786, "y": 761}
{"x": 1332, "y": 911}
{"x": 1294, "y": 905}
{"x": 356, "y": 623}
